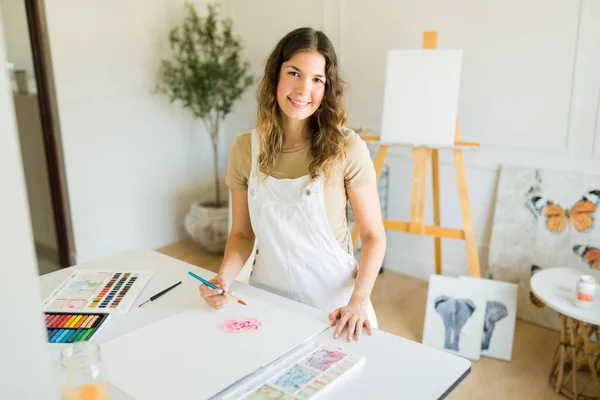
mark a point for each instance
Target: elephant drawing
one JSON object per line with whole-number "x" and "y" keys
{"x": 494, "y": 312}
{"x": 455, "y": 313}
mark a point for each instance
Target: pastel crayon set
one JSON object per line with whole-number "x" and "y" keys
{"x": 308, "y": 376}
{"x": 102, "y": 291}
{"x": 73, "y": 327}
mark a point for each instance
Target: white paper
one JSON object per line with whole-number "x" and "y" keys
{"x": 421, "y": 97}
{"x": 188, "y": 355}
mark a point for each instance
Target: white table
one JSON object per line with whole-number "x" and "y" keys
{"x": 396, "y": 367}
{"x": 575, "y": 354}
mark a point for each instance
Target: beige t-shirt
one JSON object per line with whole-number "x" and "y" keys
{"x": 357, "y": 170}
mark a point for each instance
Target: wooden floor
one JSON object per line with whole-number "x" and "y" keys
{"x": 399, "y": 302}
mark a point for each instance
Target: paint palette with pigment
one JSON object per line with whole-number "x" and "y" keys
{"x": 302, "y": 377}
{"x": 102, "y": 291}
{"x": 73, "y": 327}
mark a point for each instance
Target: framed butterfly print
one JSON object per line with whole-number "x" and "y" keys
{"x": 543, "y": 219}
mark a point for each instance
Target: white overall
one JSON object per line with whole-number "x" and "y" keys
{"x": 297, "y": 254}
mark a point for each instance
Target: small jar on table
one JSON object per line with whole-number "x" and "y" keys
{"x": 576, "y": 364}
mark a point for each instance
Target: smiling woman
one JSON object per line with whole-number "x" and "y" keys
{"x": 291, "y": 179}
{"x": 301, "y": 88}
{"x": 301, "y": 97}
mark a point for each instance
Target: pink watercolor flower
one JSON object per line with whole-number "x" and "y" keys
{"x": 241, "y": 325}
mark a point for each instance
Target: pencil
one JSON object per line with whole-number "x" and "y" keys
{"x": 212, "y": 285}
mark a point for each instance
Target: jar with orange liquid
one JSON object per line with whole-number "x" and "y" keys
{"x": 83, "y": 376}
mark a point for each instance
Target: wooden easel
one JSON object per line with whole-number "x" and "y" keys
{"x": 417, "y": 206}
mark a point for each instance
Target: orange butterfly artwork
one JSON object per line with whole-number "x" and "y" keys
{"x": 590, "y": 254}
{"x": 580, "y": 216}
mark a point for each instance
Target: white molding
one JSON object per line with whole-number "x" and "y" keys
{"x": 588, "y": 62}
{"x": 597, "y": 130}
{"x": 572, "y": 138}
{"x": 585, "y": 105}
{"x": 491, "y": 158}
{"x": 573, "y": 80}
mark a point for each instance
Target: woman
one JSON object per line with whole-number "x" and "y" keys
{"x": 291, "y": 179}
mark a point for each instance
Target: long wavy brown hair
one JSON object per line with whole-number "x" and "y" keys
{"x": 327, "y": 140}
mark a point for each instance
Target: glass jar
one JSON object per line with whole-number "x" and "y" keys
{"x": 83, "y": 376}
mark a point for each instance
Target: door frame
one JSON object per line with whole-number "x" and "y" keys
{"x": 41, "y": 59}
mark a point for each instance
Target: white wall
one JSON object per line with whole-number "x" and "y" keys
{"x": 134, "y": 162}
{"x": 529, "y": 92}
{"x": 25, "y": 371}
{"x": 529, "y": 95}
{"x": 18, "y": 47}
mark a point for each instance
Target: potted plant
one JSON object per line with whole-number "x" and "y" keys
{"x": 207, "y": 75}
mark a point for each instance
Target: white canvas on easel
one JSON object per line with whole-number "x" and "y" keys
{"x": 190, "y": 356}
{"x": 421, "y": 97}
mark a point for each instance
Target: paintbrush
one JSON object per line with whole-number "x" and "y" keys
{"x": 212, "y": 285}
{"x": 156, "y": 296}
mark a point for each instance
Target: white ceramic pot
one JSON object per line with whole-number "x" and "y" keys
{"x": 208, "y": 226}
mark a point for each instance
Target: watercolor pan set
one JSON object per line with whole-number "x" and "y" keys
{"x": 306, "y": 377}
{"x": 102, "y": 291}
{"x": 73, "y": 327}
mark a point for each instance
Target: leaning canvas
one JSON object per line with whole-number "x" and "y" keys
{"x": 500, "y": 317}
{"x": 542, "y": 219}
{"x": 454, "y": 316}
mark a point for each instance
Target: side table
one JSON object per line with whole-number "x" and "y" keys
{"x": 576, "y": 364}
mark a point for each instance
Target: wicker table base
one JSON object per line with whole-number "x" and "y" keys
{"x": 577, "y": 360}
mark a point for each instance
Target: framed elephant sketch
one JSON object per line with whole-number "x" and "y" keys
{"x": 500, "y": 317}
{"x": 454, "y": 316}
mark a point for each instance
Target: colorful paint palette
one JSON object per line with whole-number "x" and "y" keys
{"x": 73, "y": 327}
{"x": 103, "y": 291}
{"x": 304, "y": 377}
{"x": 115, "y": 290}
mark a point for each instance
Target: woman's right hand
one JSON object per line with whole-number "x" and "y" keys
{"x": 213, "y": 297}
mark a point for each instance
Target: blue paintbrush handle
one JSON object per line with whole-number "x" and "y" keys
{"x": 207, "y": 283}
{"x": 212, "y": 285}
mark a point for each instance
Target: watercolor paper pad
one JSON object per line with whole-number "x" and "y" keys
{"x": 198, "y": 352}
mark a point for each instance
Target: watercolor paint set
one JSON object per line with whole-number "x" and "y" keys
{"x": 102, "y": 291}
{"x": 73, "y": 327}
{"x": 308, "y": 376}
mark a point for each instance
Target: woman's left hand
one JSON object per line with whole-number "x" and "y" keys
{"x": 354, "y": 316}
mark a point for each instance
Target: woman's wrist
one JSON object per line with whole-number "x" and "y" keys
{"x": 225, "y": 276}
{"x": 359, "y": 300}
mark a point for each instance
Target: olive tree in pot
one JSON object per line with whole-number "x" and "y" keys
{"x": 207, "y": 75}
